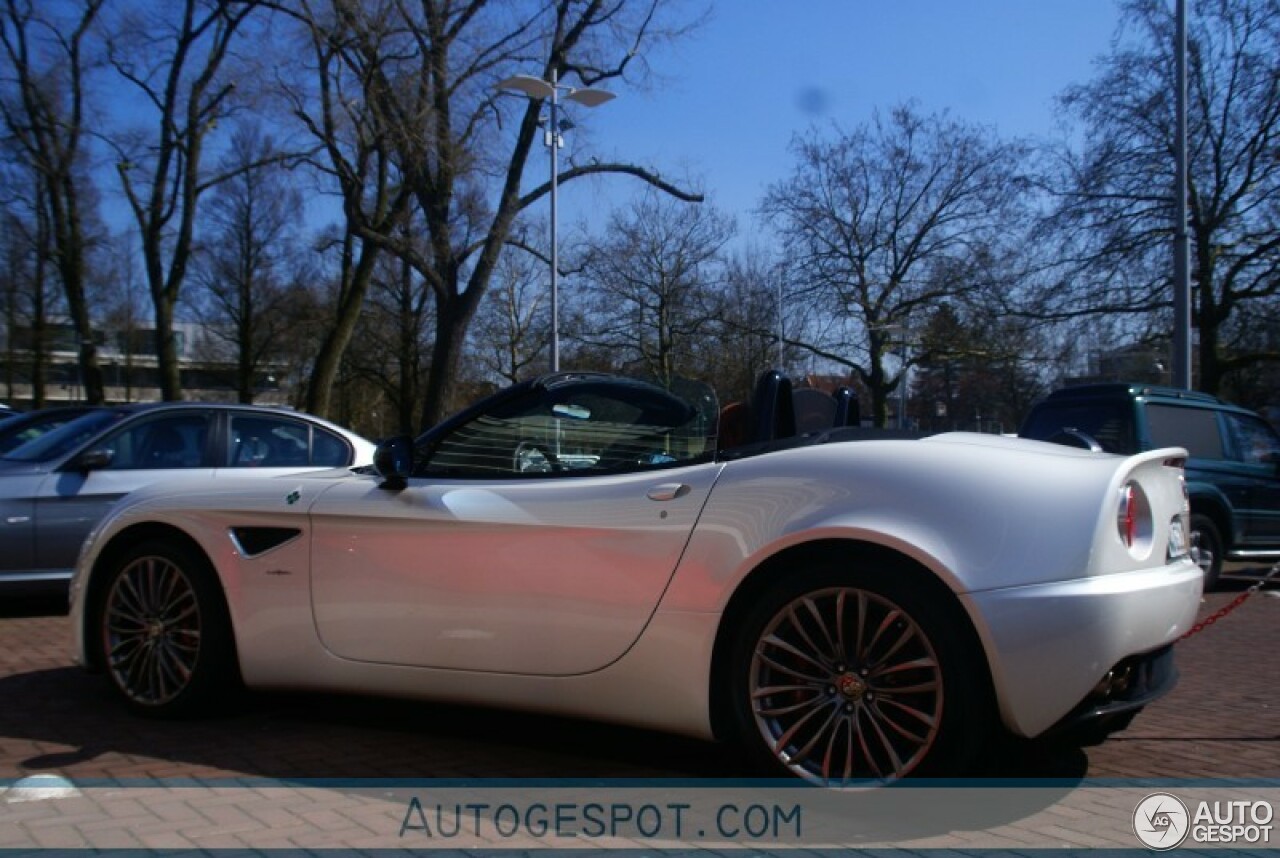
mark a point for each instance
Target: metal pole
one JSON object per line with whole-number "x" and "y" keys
{"x": 554, "y": 140}
{"x": 1181, "y": 254}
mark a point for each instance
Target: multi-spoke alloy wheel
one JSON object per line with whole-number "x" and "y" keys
{"x": 152, "y": 629}
{"x": 161, "y": 623}
{"x": 846, "y": 686}
{"x": 843, "y": 675}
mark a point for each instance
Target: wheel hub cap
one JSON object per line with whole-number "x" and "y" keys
{"x": 851, "y": 687}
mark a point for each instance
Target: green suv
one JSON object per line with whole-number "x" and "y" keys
{"x": 1233, "y": 471}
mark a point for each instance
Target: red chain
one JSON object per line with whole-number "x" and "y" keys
{"x": 1232, "y": 605}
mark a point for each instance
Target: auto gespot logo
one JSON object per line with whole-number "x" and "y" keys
{"x": 1162, "y": 821}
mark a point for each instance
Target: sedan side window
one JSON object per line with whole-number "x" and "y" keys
{"x": 175, "y": 441}
{"x": 263, "y": 441}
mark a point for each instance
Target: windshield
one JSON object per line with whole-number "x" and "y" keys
{"x": 64, "y": 439}
{"x": 1105, "y": 422}
{"x": 575, "y": 424}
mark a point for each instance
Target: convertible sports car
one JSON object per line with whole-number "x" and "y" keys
{"x": 845, "y": 605}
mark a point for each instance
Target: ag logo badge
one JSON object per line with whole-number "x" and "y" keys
{"x": 1161, "y": 821}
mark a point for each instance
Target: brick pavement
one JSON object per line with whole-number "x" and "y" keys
{"x": 1223, "y": 721}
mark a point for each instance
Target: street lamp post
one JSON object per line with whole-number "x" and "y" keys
{"x": 553, "y": 90}
{"x": 1181, "y": 251}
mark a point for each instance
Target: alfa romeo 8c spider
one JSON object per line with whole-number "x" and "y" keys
{"x": 844, "y": 603}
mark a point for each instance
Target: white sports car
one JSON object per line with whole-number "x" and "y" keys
{"x": 843, "y": 604}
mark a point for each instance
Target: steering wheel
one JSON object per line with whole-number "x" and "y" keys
{"x": 529, "y": 458}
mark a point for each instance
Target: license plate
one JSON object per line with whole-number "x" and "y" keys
{"x": 1177, "y": 540}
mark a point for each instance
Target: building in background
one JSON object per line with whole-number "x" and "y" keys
{"x": 129, "y": 366}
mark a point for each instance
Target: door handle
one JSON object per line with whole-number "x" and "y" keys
{"x": 668, "y": 491}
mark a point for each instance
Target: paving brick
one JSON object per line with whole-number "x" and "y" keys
{"x": 1222, "y": 721}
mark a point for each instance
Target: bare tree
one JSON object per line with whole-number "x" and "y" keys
{"x": 513, "y": 327}
{"x": 249, "y": 223}
{"x": 353, "y": 157}
{"x": 428, "y": 72}
{"x": 651, "y": 281}
{"x": 752, "y": 320}
{"x": 1114, "y": 214}
{"x": 978, "y": 370}
{"x": 26, "y": 251}
{"x": 124, "y": 313}
{"x": 882, "y": 223}
{"x": 174, "y": 55}
{"x": 42, "y": 106}
{"x": 393, "y": 339}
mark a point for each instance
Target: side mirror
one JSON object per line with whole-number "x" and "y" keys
{"x": 95, "y": 460}
{"x": 393, "y": 460}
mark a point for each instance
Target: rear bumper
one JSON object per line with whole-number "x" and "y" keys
{"x": 1130, "y": 685}
{"x": 1050, "y": 645}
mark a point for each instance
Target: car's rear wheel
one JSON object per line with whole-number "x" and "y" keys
{"x": 166, "y": 640}
{"x": 839, "y": 678}
{"x": 1207, "y": 540}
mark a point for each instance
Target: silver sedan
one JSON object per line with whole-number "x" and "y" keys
{"x": 55, "y": 488}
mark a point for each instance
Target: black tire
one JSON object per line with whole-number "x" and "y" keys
{"x": 1207, "y": 539}
{"x": 164, "y": 630}
{"x": 835, "y": 701}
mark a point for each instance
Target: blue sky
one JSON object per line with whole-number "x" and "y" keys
{"x": 725, "y": 102}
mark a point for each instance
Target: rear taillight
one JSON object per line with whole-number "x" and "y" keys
{"x": 1133, "y": 519}
{"x": 1126, "y": 515}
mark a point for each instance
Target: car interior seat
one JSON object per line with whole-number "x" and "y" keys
{"x": 777, "y": 412}
{"x": 847, "y": 411}
{"x": 773, "y": 414}
{"x": 165, "y": 448}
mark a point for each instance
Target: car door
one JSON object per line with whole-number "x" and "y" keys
{"x": 1255, "y": 455}
{"x": 525, "y": 545}
{"x": 1210, "y": 471}
{"x": 19, "y": 484}
{"x": 145, "y": 450}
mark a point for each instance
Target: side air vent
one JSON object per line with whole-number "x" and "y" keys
{"x": 252, "y": 541}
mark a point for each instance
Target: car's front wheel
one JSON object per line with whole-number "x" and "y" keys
{"x": 163, "y": 628}
{"x": 839, "y": 678}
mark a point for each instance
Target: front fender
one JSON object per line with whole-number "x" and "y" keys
{"x": 203, "y": 513}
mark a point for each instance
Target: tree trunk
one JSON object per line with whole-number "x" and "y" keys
{"x": 446, "y": 352}
{"x": 245, "y": 323}
{"x": 166, "y": 349}
{"x": 329, "y": 358}
{"x": 65, "y": 211}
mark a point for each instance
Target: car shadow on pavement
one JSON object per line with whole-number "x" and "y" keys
{"x": 83, "y": 731}
{"x": 33, "y": 606}
{"x": 72, "y": 725}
